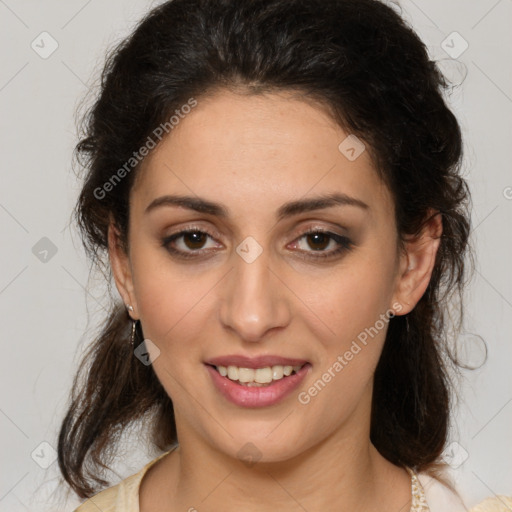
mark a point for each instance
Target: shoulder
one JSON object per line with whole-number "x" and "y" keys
{"x": 497, "y": 504}
{"x": 122, "y": 497}
{"x": 105, "y": 500}
{"x": 440, "y": 498}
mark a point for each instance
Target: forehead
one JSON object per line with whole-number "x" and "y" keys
{"x": 246, "y": 150}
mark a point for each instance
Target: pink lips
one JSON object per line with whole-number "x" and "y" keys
{"x": 264, "y": 396}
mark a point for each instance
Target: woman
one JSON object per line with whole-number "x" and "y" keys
{"x": 276, "y": 185}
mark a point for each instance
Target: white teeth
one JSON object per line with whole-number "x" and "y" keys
{"x": 246, "y": 375}
{"x": 257, "y": 376}
{"x": 277, "y": 372}
{"x": 263, "y": 375}
{"x": 232, "y": 372}
{"x": 287, "y": 370}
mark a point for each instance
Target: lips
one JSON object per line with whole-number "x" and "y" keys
{"x": 255, "y": 397}
{"x": 254, "y": 362}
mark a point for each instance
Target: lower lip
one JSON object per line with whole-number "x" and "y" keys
{"x": 257, "y": 396}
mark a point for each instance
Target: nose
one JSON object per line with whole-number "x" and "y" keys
{"x": 254, "y": 299}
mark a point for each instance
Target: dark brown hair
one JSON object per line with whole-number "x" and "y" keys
{"x": 362, "y": 61}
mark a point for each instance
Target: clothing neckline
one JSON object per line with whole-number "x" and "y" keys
{"x": 418, "y": 498}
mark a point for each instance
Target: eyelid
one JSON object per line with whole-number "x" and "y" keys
{"x": 179, "y": 254}
{"x": 301, "y": 232}
{"x": 193, "y": 227}
{"x": 343, "y": 242}
{"x": 313, "y": 227}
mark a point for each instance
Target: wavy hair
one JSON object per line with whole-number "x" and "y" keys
{"x": 362, "y": 61}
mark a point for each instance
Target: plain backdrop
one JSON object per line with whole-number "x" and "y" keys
{"x": 52, "y": 53}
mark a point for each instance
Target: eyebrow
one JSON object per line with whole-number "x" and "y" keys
{"x": 286, "y": 210}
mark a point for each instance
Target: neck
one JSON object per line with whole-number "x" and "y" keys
{"x": 344, "y": 469}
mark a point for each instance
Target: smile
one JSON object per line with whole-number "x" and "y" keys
{"x": 257, "y": 377}
{"x": 257, "y": 387}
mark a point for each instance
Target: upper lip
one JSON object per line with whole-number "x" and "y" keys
{"x": 254, "y": 362}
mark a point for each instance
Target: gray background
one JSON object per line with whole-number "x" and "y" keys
{"x": 43, "y": 295}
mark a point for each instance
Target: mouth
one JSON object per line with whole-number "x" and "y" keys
{"x": 257, "y": 382}
{"x": 257, "y": 377}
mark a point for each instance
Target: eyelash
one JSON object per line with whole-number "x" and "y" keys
{"x": 344, "y": 244}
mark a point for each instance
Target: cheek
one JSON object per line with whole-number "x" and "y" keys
{"x": 171, "y": 310}
{"x": 167, "y": 297}
{"x": 352, "y": 333}
{"x": 349, "y": 300}
{"x": 173, "y": 316}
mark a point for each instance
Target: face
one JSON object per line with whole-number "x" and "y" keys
{"x": 265, "y": 277}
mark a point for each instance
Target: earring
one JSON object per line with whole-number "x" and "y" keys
{"x": 129, "y": 307}
{"x": 132, "y": 340}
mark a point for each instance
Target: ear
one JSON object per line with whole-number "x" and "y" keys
{"x": 121, "y": 268}
{"x": 417, "y": 263}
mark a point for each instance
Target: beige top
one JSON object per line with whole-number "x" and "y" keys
{"x": 428, "y": 495}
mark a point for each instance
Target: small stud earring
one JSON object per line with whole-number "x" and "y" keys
{"x": 129, "y": 307}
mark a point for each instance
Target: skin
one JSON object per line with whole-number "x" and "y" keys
{"x": 252, "y": 154}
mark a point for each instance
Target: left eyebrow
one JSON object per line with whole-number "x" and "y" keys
{"x": 286, "y": 210}
{"x": 319, "y": 203}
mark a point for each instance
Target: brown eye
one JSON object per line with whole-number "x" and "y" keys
{"x": 190, "y": 243}
{"x": 316, "y": 244}
{"x": 194, "y": 239}
{"x": 318, "y": 241}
